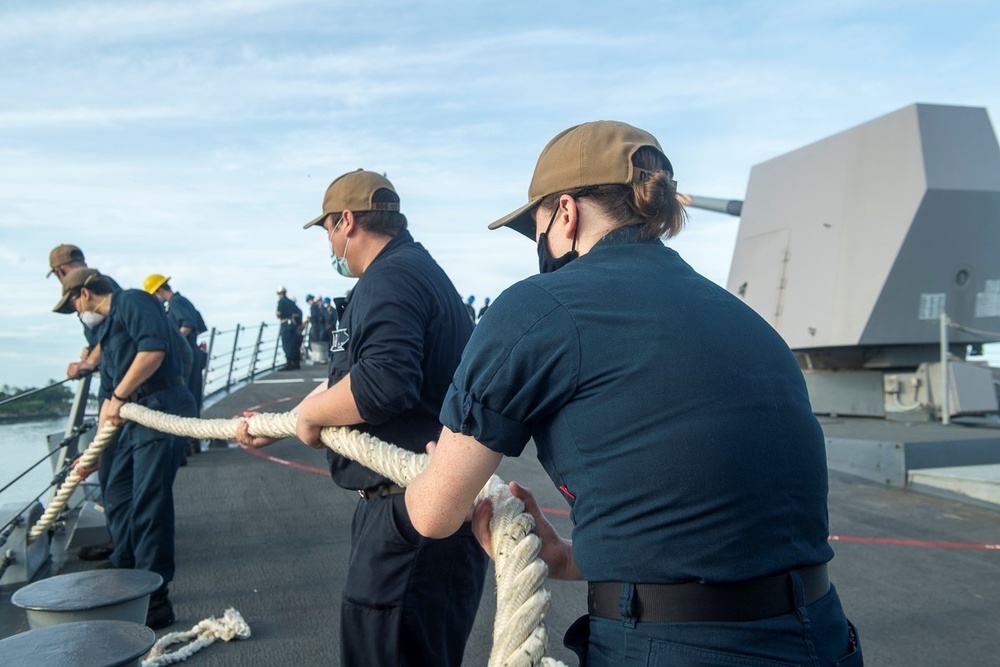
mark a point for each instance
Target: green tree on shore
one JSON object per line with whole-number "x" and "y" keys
{"x": 55, "y": 400}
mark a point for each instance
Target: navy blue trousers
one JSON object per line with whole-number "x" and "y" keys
{"x": 407, "y": 602}
{"x": 814, "y": 635}
{"x": 138, "y": 494}
{"x": 196, "y": 379}
{"x": 291, "y": 343}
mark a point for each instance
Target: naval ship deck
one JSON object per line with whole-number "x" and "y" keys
{"x": 267, "y": 533}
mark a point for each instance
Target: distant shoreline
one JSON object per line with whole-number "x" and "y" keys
{"x": 32, "y": 416}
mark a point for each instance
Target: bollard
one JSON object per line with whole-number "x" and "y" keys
{"x": 81, "y": 644}
{"x": 111, "y": 595}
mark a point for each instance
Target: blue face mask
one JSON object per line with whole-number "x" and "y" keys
{"x": 340, "y": 263}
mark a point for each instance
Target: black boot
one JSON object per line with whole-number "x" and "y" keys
{"x": 96, "y": 552}
{"x": 161, "y": 612}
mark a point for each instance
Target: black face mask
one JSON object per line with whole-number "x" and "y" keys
{"x": 546, "y": 262}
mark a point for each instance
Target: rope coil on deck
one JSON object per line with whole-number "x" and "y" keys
{"x": 519, "y": 635}
{"x": 231, "y": 626}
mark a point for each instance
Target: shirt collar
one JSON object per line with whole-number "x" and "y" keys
{"x": 622, "y": 236}
{"x": 396, "y": 241}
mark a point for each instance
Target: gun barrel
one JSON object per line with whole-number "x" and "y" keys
{"x": 730, "y": 206}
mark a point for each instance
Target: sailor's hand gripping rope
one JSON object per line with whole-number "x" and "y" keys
{"x": 519, "y": 634}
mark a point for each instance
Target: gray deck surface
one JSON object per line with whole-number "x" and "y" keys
{"x": 271, "y": 540}
{"x": 871, "y": 428}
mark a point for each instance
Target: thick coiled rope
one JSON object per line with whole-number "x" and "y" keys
{"x": 519, "y": 635}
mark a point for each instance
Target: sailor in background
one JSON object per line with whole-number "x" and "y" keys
{"x": 469, "y": 308}
{"x": 407, "y": 600}
{"x": 188, "y": 320}
{"x": 672, "y": 418}
{"x": 291, "y": 338}
{"x": 318, "y": 349}
{"x": 63, "y": 259}
{"x": 140, "y": 357}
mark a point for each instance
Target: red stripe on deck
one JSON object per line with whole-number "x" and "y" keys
{"x": 896, "y": 542}
{"x": 274, "y": 459}
{"x": 290, "y": 464}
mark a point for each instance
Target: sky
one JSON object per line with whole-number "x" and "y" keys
{"x": 195, "y": 138}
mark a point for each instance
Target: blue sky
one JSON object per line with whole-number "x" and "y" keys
{"x": 194, "y": 139}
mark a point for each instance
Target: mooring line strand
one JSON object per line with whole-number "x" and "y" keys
{"x": 519, "y": 632}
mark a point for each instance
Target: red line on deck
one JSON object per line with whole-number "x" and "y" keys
{"x": 274, "y": 459}
{"x": 290, "y": 464}
{"x": 890, "y": 541}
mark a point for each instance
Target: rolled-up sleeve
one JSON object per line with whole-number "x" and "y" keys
{"x": 521, "y": 365}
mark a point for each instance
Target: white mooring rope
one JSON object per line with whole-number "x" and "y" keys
{"x": 88, "y": 460}
{"x": 231, "y": 626}
{"x": 519, "y": 635}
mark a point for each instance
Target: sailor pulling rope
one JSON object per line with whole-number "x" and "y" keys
{"x": 519, "y": 634}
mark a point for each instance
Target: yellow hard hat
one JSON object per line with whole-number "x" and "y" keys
{"x": 153, "y": 282}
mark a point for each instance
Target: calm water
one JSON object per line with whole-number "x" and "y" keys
{"x": 22, "y": 444}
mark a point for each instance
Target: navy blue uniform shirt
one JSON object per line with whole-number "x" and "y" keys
{"x": 136, "y": 323}
{"x": 673, "y": 418}
{"x": 183, "y": 313}
{"x": 317, "y": 318}
{"x": 405, "y": 330}
{"x": 287, "y": 310}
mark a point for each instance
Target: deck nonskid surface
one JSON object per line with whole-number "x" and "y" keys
{"x": 914, "y": 572}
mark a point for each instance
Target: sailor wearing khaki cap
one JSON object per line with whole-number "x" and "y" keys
{"x": 141, "y": 359}
{"x": 406, "y": 601}
{"x": 672, "y": 418}
{"x": 64, "y": 258}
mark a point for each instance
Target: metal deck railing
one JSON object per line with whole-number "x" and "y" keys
{"x": 234, "y": 357}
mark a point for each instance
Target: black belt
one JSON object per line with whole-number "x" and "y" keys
{"x": 693, "y": 601}
{"x": 383, "y": 491}
{"x": 152, "y": 386}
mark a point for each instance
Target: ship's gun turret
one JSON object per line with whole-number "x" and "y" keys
{"x": 730, "y": 206}
{"x": 857, "y": 247}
